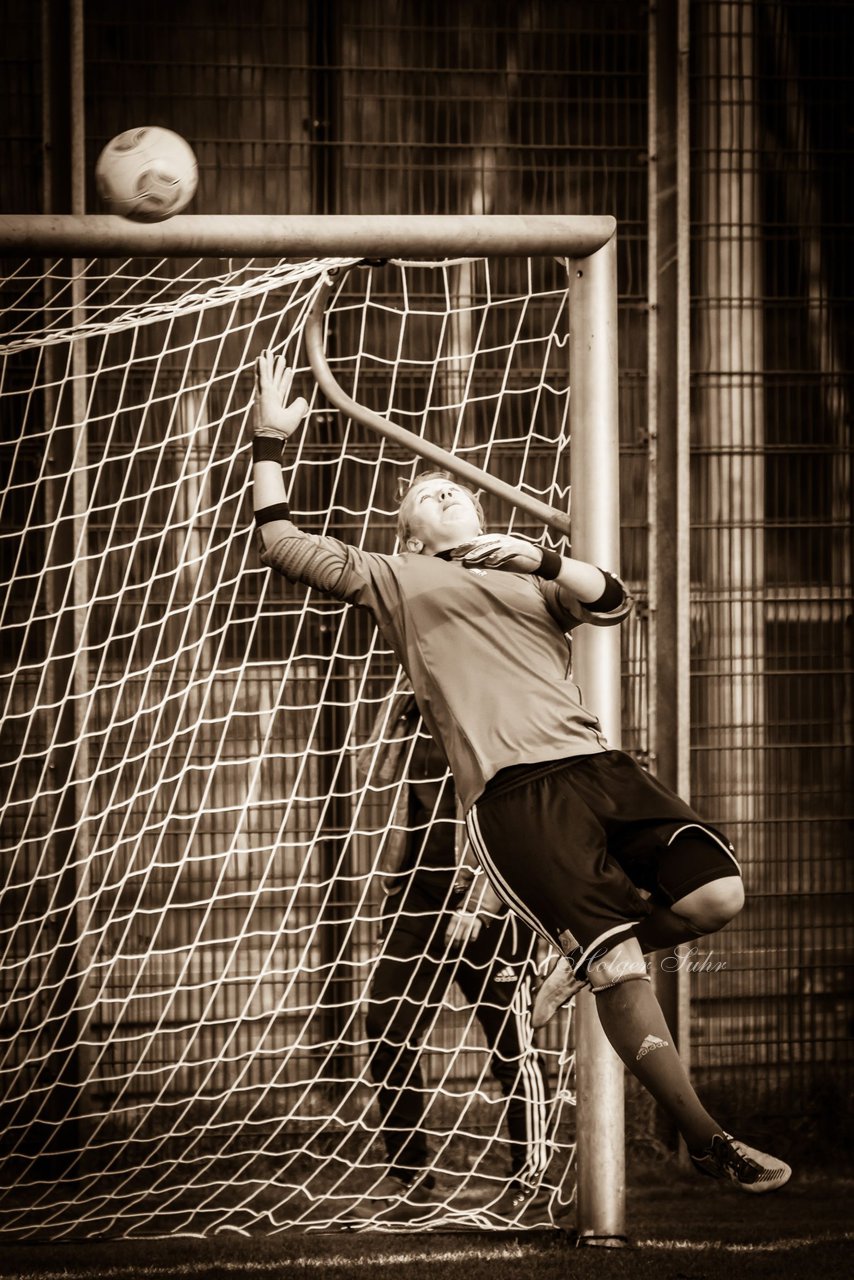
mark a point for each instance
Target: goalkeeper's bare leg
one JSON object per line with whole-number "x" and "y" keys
{"x": 697, "y": 914}
{"x": 632, "y": 1019}
{"x": 580, "y": 888}
{"x": 634, "y": 1024}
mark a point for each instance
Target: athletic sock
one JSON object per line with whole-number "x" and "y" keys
{"x": 632, "y": 1020}
{"x": 663, "y": 929}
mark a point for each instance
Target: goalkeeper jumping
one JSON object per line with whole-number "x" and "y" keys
{"x": 615, "y": 865}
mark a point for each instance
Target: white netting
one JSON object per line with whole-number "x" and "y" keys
{"x": 189, "y": 908}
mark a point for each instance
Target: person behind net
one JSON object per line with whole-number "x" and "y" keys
{"x": 441, "y": 924}
{"x": 580, "y": 841}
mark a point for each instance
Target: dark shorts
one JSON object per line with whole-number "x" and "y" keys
{"x": 570, "y": 846}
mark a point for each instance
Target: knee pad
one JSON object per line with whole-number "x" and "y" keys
{"x": 623, "y": 963}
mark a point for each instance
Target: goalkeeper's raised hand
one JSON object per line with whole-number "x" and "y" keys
{"x": 272, "y": 415}
{"x": 500, "y": 551}
{"x": 582, "y": 582}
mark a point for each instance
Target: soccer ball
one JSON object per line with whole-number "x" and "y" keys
{"x": 148, "y": 174}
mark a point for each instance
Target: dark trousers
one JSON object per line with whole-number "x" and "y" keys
{"x": 494, "y": 973}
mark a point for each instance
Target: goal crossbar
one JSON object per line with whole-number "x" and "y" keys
{"x": 368, "y": 235}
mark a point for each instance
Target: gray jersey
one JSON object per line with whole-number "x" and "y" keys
{"x": 486, "y": 650}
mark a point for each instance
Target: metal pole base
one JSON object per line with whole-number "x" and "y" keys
{"x": 601, "y": 1242}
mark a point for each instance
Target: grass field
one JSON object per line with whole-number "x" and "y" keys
{"x": 681, "y": 1228}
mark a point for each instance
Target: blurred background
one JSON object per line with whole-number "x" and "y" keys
{"x": 719, "y": 134}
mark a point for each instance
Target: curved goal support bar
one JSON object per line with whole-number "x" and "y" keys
{"x": 309, "y": 235}
{"x": 558, "y": 521}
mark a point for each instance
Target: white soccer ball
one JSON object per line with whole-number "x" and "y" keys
{"x": 148, "y": 174}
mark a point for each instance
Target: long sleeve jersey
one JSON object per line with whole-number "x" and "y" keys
{"x": 486, "y": 650}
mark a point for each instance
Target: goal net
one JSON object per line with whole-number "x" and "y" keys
{"x": 198, "y": 803}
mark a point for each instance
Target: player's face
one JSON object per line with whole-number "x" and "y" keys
{"x": 440, "y": 515}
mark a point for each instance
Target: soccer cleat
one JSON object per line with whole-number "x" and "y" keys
{"x": 749, "y": 1169}
{"x": 393, "y": 1200}
{"x": 519, "y": 1204}
{"x": 557, "y": 989}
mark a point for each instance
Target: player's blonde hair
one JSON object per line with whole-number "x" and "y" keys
{"x": 405, "y": 487}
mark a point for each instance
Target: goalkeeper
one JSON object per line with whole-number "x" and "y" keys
{"x": 440, "y": 924}
{"x": 614, "y": 865}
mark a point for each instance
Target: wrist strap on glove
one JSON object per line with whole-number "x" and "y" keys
{"x": 267, "y": 448}
{"x": 550, "y": 565}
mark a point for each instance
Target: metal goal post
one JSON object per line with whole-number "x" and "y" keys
{"x": 587, "y": 244}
